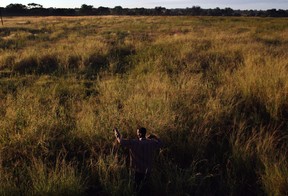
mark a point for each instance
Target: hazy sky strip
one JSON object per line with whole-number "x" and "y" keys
{"x": 235, "y": 4}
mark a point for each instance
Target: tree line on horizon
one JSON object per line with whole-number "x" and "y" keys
{"x": 33, "y": 9}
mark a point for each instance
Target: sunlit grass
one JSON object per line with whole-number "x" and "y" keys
{"x": 213, "y": 88}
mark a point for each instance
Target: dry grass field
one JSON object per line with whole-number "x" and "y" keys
{"x": 215, "y": 89}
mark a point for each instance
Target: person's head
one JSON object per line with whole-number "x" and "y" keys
{"x": 141, "y": 132}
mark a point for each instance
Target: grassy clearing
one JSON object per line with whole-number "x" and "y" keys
{"x": 213, "y": 88}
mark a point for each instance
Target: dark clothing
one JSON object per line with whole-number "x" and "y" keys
{"x": 139, "y": 177}
{"x": 142, "y": 152}
{"x": 141, "y": 181}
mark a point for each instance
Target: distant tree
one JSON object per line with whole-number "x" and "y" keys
{"x": 35, "y": 9}
{"x": 180, "y": 12}
{"x": 276, "y": 13}
{"x": 196, "y": 11}
{"x": 140, "y": 11}
{"x": 250, "y": 13}
{"x": 103, "y": 10}
{"x": 216, "y": 12}
{"x": 282, "y": 13}
{"x": 1, "y": 16}
{"x": 34, "y": 5}
{"x": 261, "y": 13}
{"x": 16, "y": 9}
{"x": 86, "y": 9}
{"x": 228, "y": 11}
{"x": 160, "y": 10}
{"x": 118, "y": 10}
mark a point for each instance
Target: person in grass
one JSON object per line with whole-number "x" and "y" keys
{"x": 142, "y": 152}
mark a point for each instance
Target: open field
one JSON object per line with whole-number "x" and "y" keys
{"x": 215, "y": 89}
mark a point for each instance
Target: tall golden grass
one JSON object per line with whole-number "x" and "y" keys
{"x": 213, "y": 88}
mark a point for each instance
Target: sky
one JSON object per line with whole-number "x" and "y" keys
{"x": 234, "y": 4}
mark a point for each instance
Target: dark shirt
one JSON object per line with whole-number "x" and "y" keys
{"x": 142, "y": 152}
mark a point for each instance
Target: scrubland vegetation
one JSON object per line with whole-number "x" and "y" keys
{"x": 215, "y": 90}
